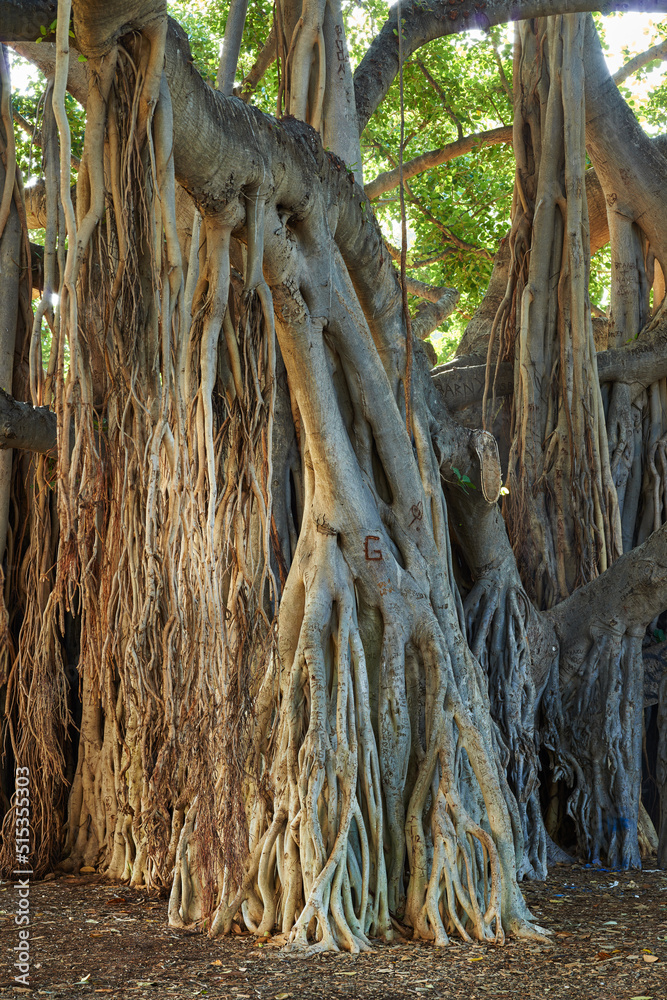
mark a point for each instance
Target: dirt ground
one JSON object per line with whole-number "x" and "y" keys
{"x": 89, "y": 937}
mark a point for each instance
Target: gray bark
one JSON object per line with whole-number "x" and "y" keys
{"x": 22, "y": 426}
{"x": 426, "y": 20}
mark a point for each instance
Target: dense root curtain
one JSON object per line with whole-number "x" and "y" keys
{"x": 562, "y": 511}
{"x": 349, "y": 772}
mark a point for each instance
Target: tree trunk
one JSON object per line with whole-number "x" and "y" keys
{"x": 300, "y": 708}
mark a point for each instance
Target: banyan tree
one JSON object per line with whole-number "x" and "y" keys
{"x": 323, "y": 639}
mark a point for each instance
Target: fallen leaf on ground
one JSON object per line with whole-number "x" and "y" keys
{"x": 650, "y": 958}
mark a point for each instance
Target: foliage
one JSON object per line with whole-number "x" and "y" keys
{"x": 457, "y": 212}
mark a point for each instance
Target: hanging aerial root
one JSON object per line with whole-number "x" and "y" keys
{"x": 496, "y": 625}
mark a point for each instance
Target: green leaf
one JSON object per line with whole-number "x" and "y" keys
{"x": 82, "y": 58}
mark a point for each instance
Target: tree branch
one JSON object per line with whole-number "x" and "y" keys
{"x": 26, "y": 427}
{"x": 430, "y": 315}
{"x": 632, "y": 170}
{"x": 44, "y": 56}
{"x": 389, "y": 179}
{"x": 426, "y": 20}
{"x": 20, "y": 21}
{"x": 266, "y": 57}
{"x": 36, "y": 135}
{"x": 443, "y": 97}
{"x": 656, "y": 52}
{"x": 635, "y": 587}
{"x": 641, "y": 362}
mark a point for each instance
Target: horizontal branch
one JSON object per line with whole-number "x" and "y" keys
{"x": 390, "y": 178}
{"x": 624, "y": 598}
{"x": 641, "y": 362}
{"x": 43, "y": 55}
{"x": 26, "y": 427}
{"x": 460, "y": 382}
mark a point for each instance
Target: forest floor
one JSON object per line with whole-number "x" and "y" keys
{"x": 89, "y": 938}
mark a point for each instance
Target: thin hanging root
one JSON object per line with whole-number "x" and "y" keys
{"x": 316, "y": 113}
{"x": 254, "y": 281}
{"x": 10, "y": 152}
{"x": 91, "y": 173}
{"x": 496, "y": 616}
{"x": 219, "y": 273}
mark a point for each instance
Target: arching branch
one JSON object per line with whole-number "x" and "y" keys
{"x": 434, "y": 158}
{"x": 657, "y": 52}
{"x": 425, "y": 21}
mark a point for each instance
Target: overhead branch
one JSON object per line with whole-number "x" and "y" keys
{"x": 425, "y": 20}
{"x": 43, "y": 55}
{"x": 631, "y": 168}
{"x": 432, "y": 293}
{"x": 21, "y": 22}
{"x": 506, "y": 85}
{"x": 641, "y": 362}
{"x": 434, "y": 158}
{"x": 657, "y": 52}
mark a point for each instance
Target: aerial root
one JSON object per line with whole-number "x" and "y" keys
{"x": 496, "y": 622}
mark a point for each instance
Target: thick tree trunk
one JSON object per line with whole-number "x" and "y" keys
{"x": 297, "y": 708}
